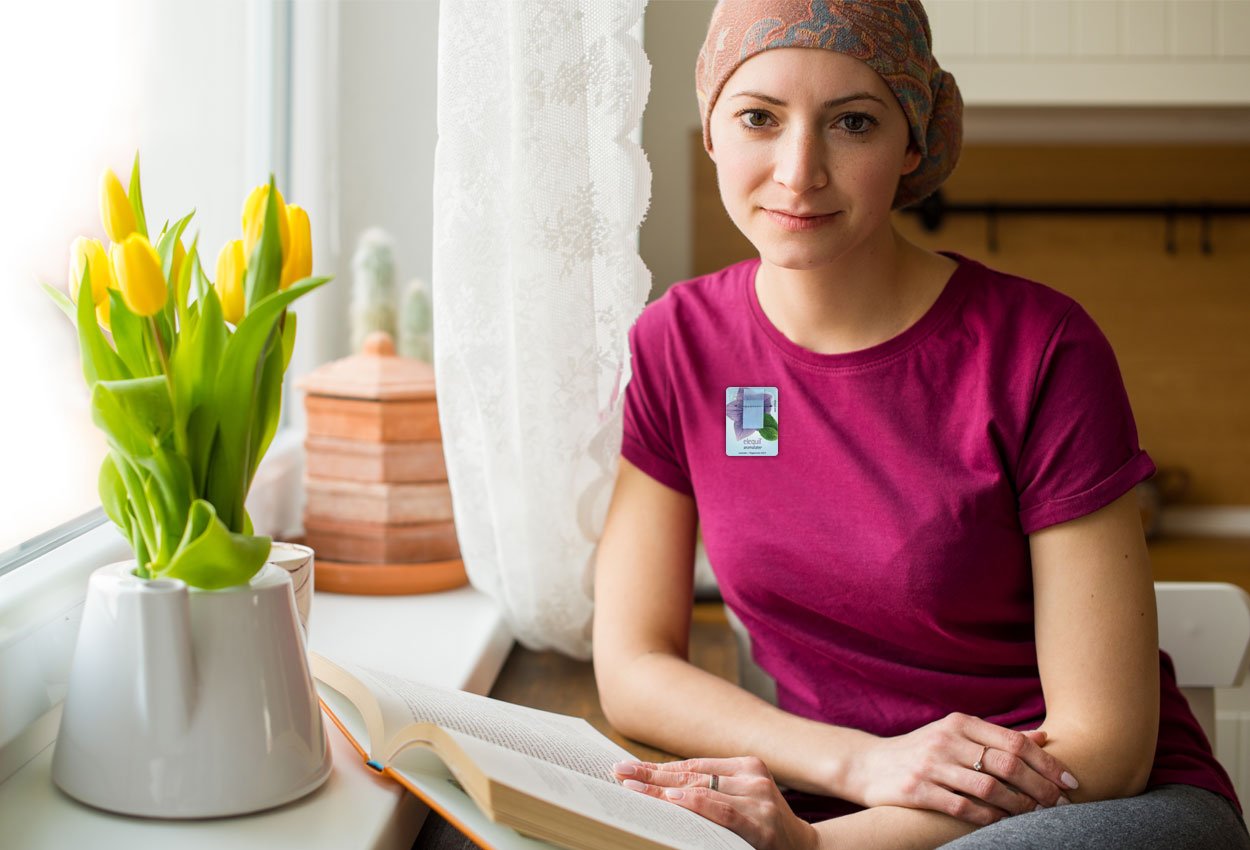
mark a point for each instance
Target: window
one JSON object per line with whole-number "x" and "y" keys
{"x": 191, "y": 86}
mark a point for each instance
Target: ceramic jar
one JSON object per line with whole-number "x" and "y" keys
{"x": 378, "y": 510}
{"x": 189, "y": 703}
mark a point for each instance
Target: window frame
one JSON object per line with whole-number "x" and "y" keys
{"x": 43, "y": 580}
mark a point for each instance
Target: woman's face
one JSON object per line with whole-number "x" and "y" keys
{"x": 809, "y": 147}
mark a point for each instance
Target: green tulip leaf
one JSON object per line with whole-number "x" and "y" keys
{"x": 165, "y": 249}
{"x": 182, "y": 286}
{"x": 210, "y": 556}
{"x": 264, "y": 267}
{"x": 133, "y": 337}
{"x": 113, "y": 497}
{"x": 202, "y": 284}
{"x": 99, "y": 361}
{"x": 195, "y": 366}
{"x": 143, "y": 536}
{"x": 237, "y": 399}
{"x": 165, "y": 327}
{"x": 136, "y": 198}
{"x": 140, "y": 546}
{"x": 269, "y": 404}
{"x": 62, "y": 300}
{"x": 169, "y": 493}
{"x": 162, "y": 524}
{"x": 769, "y": 434}
{"x": 288, "y": 340}
{"x": 198, "y": 359}
{"x": 202, "y": 441}
{"x": 135, "y": 413}
{"x": 770, "y": 421}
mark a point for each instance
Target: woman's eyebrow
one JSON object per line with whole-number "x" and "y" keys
{"x": 828, "y": 104}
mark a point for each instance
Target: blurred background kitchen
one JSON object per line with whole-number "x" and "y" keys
{"x": 1107, "y": 153}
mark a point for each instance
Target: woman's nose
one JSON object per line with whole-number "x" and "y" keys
{"x": 800, "y": 163}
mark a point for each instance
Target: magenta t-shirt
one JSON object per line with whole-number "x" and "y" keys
{"x": 880, "y": 558}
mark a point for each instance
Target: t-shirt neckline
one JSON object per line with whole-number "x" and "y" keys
{"x": 950, "y": 296}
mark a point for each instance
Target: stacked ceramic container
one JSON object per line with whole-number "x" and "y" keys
{"x": 378, "y": 512}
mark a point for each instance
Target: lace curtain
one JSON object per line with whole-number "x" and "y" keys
{"x": 538, "y": 194}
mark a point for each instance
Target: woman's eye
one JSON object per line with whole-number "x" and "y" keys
{"x": 857, "y": 123}
{"x": 755, "y": 119}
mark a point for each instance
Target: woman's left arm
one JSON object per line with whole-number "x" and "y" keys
{"x": 1098, "y": 648}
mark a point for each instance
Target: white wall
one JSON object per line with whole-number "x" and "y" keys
{"x": 672, "y": 33}
{"x": 387, "y": 132}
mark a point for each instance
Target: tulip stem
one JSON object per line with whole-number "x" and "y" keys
{"x": 179, "y": 438}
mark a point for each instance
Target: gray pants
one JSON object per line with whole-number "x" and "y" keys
{"x": 1170, "y": 817}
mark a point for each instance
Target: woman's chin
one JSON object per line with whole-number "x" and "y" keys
{"x": 798, "y": 257}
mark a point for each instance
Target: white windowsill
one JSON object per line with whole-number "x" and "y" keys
{"x": 454, "y": 639}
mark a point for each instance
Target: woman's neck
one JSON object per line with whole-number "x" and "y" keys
{"x": 868, "y": 297}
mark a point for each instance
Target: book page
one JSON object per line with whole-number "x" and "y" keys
{"x": 659, "y": 820}
{"x": 430, "y": 779}
{"x": 567, "y": 741}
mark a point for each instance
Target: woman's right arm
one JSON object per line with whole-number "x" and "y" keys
{"x": 648, "y": 689}
{"x": 650, "y": 692}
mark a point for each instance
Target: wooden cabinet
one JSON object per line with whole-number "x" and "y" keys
{"x": 1202, "y": 559}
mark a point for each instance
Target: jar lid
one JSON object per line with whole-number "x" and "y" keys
{"x": 376, "y": 373}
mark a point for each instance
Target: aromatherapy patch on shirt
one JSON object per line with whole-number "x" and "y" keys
{"x": 751, "y": 421}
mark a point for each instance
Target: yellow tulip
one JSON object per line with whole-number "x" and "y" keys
{"x": 102, "y": 314}
{"x": 231, "y": 267}
{"x": 87, "y": 253}
{"x": 299, "y": 261}
{"x": 115, "y": 209}
{"x": 180, "y": 254}
{"x": 254, "y": 220}
{"x": 137, "y": 267}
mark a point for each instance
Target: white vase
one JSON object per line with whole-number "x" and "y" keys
{"x": 188, "y": 703}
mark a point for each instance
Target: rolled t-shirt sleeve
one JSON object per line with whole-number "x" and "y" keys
{"x": 652, "y": 431}
{"x": 1080, "y": 450}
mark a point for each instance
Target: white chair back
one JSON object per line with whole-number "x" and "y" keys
{"x": 1205, "y": 628}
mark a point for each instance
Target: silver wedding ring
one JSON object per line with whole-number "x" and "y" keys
{"x": 979, "y": 764}
{"x": 713, "y": 782}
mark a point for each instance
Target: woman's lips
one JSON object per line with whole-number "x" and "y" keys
{"x": 797, "y": 223}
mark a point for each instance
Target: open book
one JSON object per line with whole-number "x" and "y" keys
{"x": 497, "y": 770}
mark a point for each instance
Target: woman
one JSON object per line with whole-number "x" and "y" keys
{"x": 917, "y": 494}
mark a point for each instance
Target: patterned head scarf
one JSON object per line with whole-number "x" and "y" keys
{"x": 891, "y": 36}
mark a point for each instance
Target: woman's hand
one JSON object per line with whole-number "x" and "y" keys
{"x": 746, "y": 799}
{"x": 934, "y": 768}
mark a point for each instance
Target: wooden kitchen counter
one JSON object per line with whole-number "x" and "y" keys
{"x": 1202, "y": 559}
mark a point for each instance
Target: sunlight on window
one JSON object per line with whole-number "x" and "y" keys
{"x": 86, "y": 85}
{"x": 69, "y": 117}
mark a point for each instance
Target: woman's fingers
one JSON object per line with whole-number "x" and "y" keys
{"x": 721, "y": 767}
{"x": 1030, "y": 788}
{"x": 934, "y": 767}
{"x": 755, "y": 810}
{"x": 986, "y": 786}
{"x": 1023, "y": 747}
{"x": 658, "y": 775}
{"x": 697, "y": 773}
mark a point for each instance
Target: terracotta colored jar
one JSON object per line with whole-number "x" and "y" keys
{"x": 378, "y": 511}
